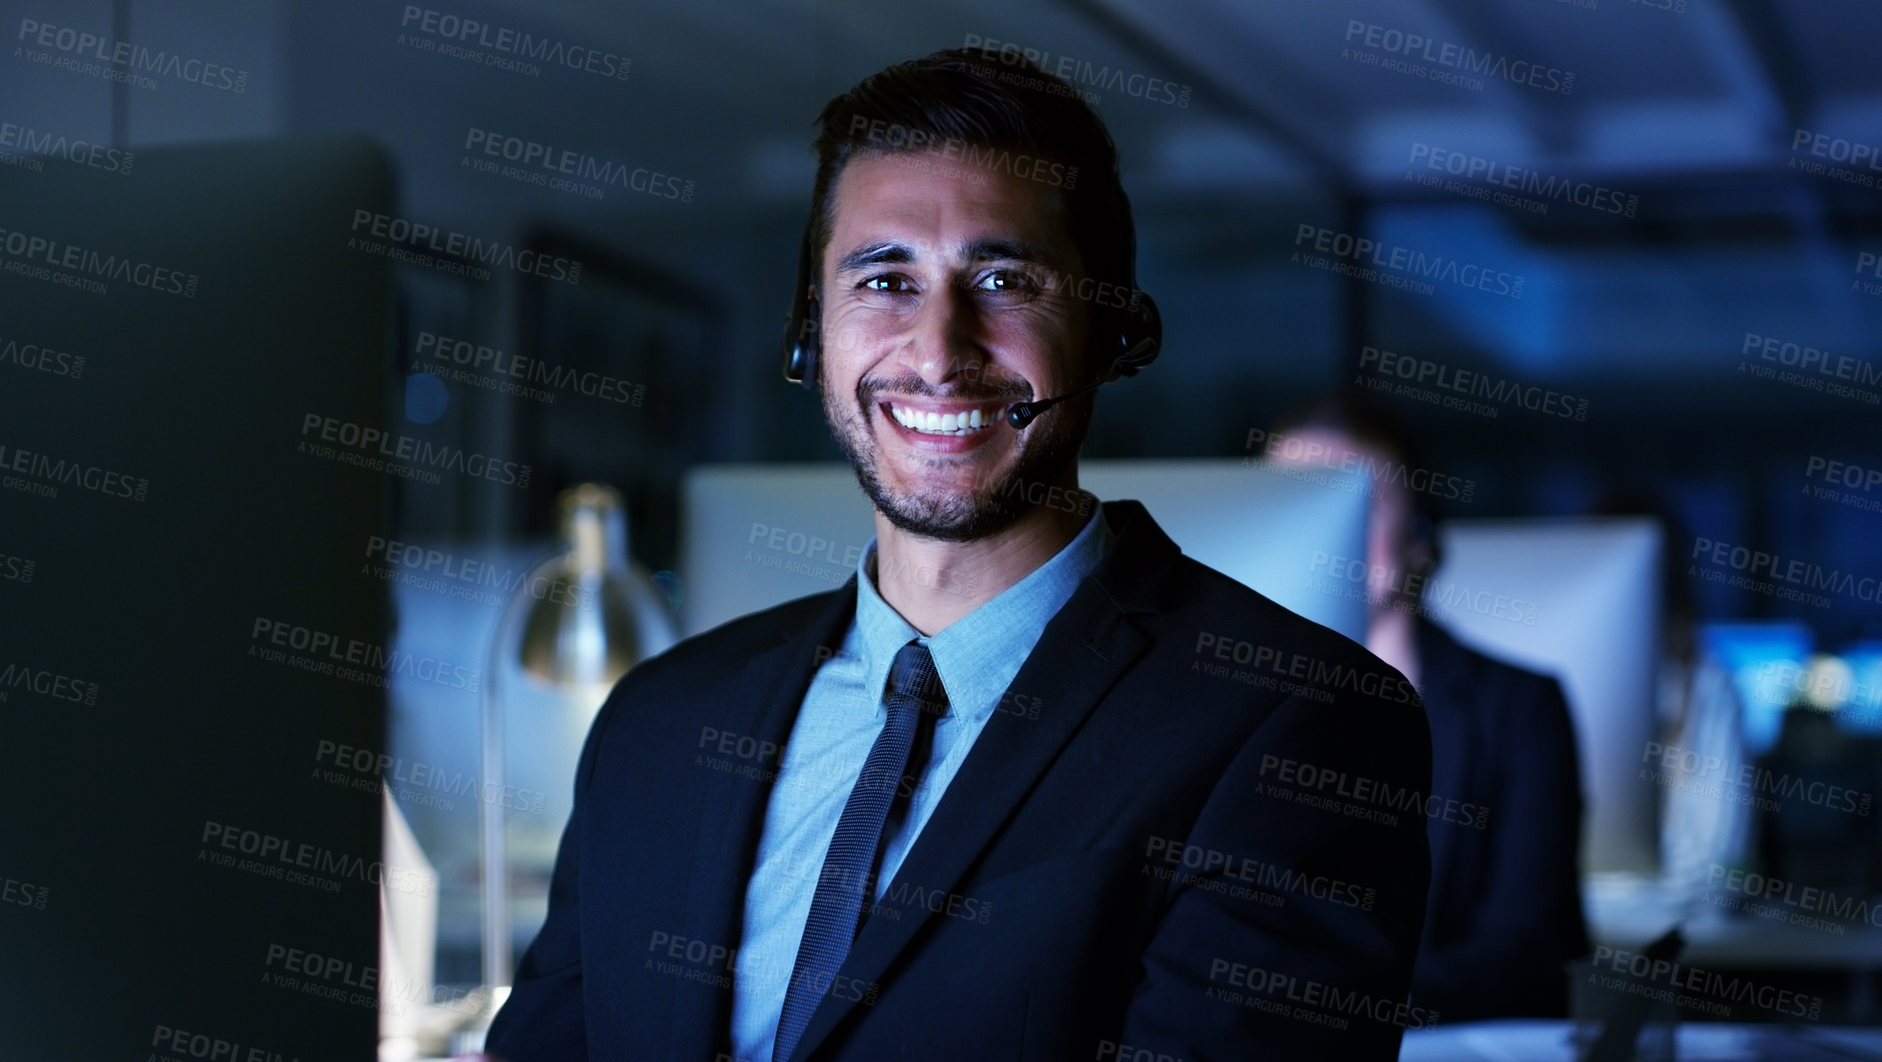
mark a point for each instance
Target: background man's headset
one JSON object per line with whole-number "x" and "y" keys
{"x": 1132, "y": 334}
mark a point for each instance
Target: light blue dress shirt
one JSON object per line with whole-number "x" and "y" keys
{"x": 977, "y": 657}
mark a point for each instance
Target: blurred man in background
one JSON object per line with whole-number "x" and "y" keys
{"x": 1505, "y": 906}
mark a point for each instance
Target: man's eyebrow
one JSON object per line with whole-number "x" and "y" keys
{"x": 1004, "y": 250}
{"x": 874, "y": 255}
{"x": 996, "y": 249}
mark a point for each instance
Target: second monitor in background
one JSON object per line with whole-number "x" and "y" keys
{"x": 1577, "y": 599}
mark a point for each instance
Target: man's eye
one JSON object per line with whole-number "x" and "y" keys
{"x": 1008, "y": 280}
{"x": 891, "y": 283}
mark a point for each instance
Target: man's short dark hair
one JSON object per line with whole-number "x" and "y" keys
{"x": 965, "y": 99}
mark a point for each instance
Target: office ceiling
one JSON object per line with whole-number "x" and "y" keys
{"x": 1693, "y": 110}
{"x": 1719, "y": 86}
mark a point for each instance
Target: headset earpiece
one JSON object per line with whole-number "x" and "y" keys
{"x": 802, "y": 343}
{"x": 1140, "y": 335}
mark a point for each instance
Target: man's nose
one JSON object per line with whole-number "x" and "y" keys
{"x": 947, "y": 345}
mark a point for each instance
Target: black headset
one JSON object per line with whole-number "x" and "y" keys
{"x": 1136, "y": 329}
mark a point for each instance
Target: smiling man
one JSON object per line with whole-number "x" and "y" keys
{"x": 1032, "y": 785}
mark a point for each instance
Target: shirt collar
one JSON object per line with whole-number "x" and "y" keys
{"x": 978, "y": 655}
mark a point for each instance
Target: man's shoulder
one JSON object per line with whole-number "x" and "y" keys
{"x": 1200, "y": 594}
{"x": 722, "y": 648}
{"x": 1264, "y": 654}
{"x": 1189, "y": 596}
{"x": 1497, "y": 682}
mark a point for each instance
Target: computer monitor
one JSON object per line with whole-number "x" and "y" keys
{"x": 1577, "y": 599}
{"x": 1766, "y": 659}
{"x": 759, "y": 535}
{"x": 1858, "y": 694}
{"x": 165, "y": 330}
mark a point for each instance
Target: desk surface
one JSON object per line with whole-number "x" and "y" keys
{"x": 1549, "y": 1041}
{"x": 1627, "y": 912}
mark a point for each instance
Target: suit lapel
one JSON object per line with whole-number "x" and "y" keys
{"x": 1453, "y": 734}
{"x": 1083, "y": 652}
{"x": 763, "y": 701}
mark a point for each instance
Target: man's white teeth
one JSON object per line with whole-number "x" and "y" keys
{"x": 929, "y": 423}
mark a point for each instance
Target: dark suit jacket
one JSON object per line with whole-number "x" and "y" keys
{"x": 1122, "y": 859}
{"x": 1505, "y": 912}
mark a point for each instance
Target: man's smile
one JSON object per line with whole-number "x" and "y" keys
{"x": 940, "y": 426}
{"x": 940, "y": 418}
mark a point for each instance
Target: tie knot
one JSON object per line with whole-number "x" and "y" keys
{"x": 914, "y": 680}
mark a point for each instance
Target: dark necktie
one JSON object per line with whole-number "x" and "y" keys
{"x": 836, "y": 908}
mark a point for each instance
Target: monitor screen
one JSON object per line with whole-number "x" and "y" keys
{"x": 1577, "y": 599}
{"x": 759, "y": 535}
{"x": 165, "y": 335}
{"x": 1768, "y": 664}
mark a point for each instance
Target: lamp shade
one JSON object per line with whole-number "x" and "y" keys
{"x": 594, "y": 614}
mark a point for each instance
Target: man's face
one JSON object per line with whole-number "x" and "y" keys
{"x": 1392, "y": 555}
{"x": 944, "y": 303}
